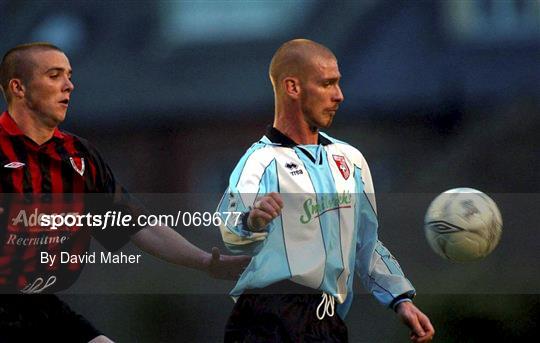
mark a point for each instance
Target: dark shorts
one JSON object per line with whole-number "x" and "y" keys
{"x": 282, "y": 318}
{"x": 41, "y": 318}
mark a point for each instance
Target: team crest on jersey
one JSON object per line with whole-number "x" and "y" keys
{"x": 78, "y": 164}
{"x": 342, "y": 166}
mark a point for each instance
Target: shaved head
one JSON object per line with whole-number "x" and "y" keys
{"x": 19, "y": 63}
{"x": 294, "y": 58}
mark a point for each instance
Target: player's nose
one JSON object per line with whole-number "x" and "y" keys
{"x": 338, "y": 96}
{"x": 69, "y": 86}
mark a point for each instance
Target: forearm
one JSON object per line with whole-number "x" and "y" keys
{"x": 165, "y": 243}
{"x": 382, "y": 276}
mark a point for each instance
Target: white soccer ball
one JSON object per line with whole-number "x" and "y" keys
{"x": 463, "y": 224}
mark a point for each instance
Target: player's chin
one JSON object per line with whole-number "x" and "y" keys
{"x": 56, "y": 119}
{"x": 327, "y": 123}
{"x": 59, "y": 116}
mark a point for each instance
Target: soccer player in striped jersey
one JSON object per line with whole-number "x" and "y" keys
{"x": 45, "y": 169}
{"x": 309, "y": 217}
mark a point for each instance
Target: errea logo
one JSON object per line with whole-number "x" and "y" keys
{"x": 293, "y": 167}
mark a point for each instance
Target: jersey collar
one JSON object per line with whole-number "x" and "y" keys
{"x": 11, "y": 128}
{"x": 276, "y": 136}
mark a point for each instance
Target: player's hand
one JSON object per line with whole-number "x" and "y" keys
{"x": 224, "y": 266}
{"x": 264, "y": 211}
{"x": 421, "y": 328}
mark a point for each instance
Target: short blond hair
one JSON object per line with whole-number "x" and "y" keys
{"x": 292, "y": 58}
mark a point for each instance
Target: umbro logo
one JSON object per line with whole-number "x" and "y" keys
{"x": 294, "y": 168}
{"x": 14, "y": 165}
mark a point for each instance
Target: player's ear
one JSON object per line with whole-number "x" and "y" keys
{"x": 16, "y": 87}
{"x": 291, "y": 86}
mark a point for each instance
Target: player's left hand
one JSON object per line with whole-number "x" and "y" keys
{"x": 225, "y": 267}
{"x": 418, "y": 322}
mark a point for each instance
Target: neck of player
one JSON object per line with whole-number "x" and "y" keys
{"x": 292, "y": 124}
{"x": 301, "y": 134}
{"x": 32, "y": 126}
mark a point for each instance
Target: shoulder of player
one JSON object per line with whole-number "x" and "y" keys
{"x": 260, "y": 152}
{"x": 254, "y": 162}
{"x": 349, "y": 151}
{"x": 3, "y": 133}
{"x": 263, "y": 149}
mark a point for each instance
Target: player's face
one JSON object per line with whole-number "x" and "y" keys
{"x": 48, "y": 92}
{"x": 321, "y": 94}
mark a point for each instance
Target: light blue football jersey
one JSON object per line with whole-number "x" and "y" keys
{"x": 328, "y": 226}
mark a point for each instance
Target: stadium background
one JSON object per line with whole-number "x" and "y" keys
{"x": 437, "y": 95}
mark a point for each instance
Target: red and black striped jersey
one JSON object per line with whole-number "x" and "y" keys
{"x": 57, "y": 177}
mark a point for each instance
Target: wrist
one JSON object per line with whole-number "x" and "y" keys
{"x": 249, "y": 224}
{"x": 407, "y": 296}
{"x": 204, "y": 262}
{"x": 246, "y": 222}
{"x": 402, "y": 304}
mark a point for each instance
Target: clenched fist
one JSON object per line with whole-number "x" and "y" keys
{"x": 265, "y": 209}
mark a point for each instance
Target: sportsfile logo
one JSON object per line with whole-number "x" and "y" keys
{"x": 327, "y": 202}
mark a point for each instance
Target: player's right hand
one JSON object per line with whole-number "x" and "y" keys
{"x": 265, "y": 209}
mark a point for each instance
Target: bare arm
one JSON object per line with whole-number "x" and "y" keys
{"x": 167, "y": 244}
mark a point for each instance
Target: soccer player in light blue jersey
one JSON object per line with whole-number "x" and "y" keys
{"x": 309, "y": 217}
